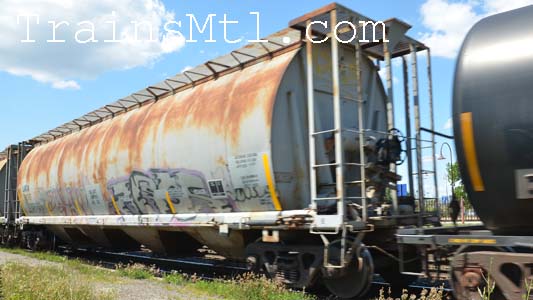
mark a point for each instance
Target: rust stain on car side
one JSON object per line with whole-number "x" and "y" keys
{"x": 133, "y": 140}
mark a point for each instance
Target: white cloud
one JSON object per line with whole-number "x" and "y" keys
{"x": 66, "y": 84}
{"x": 186, "y": 68}
{"x": 450, "y": 20}
{"x": 448, "y": 124}
{"x": 497, "y": 6}
{"x": 62, "y": 64}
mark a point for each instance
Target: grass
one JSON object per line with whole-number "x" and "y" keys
{"x": 431, "y": 294}
{"x": 83, "y": 267}
{"x": 486, "y": 293}
{"x": 71, "y": 279}
{"x": 48, "y": 256}
{"x": 528, "y": 284}
{"x": 248, "y": 286}
{"x": 137, "y": 271}
{"x": 23, "y": 282}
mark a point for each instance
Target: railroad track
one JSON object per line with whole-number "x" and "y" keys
{"x": 208, "y": 268}
{"x": 204, "y": 268}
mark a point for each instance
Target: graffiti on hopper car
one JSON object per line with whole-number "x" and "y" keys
{"x": 152, "y": 191}
{"x": 156, "y": 190}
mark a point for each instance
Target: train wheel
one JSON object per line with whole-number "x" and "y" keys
{"x": 473, "y": 278}
{"x": 466, "y": 285}
{"x": 355, "y": 280}
{"x": 471, "y": 282}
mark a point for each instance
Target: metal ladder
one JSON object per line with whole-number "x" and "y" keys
{"x": 419, "y": 148}
{"x": 337, "y": 222}
{"x": 11, "y": 206}
{"x": 15, "y": 155}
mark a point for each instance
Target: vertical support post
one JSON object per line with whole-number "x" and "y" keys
{"x": 16, "y": 210}
{"x": 388, "y": 68}
{"x": 337, "y": 120}
{"x": 390, "y": 113}
{"x": 408, "y": 125}
{"x": 12, "y": 169}
{"x": 360, "y": 116}
{"x": 6, "y": 185}
{"x": 414, "y": 67}
{"x": 432, "y": 127}
{"x": 11, "y": 166}
{"x": 311, "y": 117}
{"x": 23, "y": 149}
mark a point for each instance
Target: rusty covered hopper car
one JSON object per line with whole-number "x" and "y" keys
{"x": 234, "y": 144}
{"x": 271, "y": 143}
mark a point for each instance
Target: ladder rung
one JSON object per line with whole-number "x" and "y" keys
{"x": 325, "y": 165}
{"x": 425, "y": 147}
{"x": 335, "y": 130}
{"x": 424, "y": 172}
{"x": 343, "y": 97}
{"x": 336, "y": 164}
{"x": 346, "y": 182}
{"x": 324, "y": 131}
{"x": 353, "y": 182}
{"x": 326, "y": 198}
{"x": 337, "y": 198}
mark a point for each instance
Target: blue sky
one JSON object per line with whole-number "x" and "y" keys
{"x": 44, "y": 85}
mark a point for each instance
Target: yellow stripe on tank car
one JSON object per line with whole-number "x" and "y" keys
{"x": 469, "y": 148}
{"x": 170, "y": 205}
{"x": 270, "y": 182}
{"x": 115, "y": 205}
{"x": 21, "y": 201}
{"x": 80, "y": 212}
{"x": 48, "y": 208}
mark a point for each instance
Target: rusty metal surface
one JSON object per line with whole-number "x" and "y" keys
{"x": 161, "y": 155}
{"x": 234, "y": 61}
